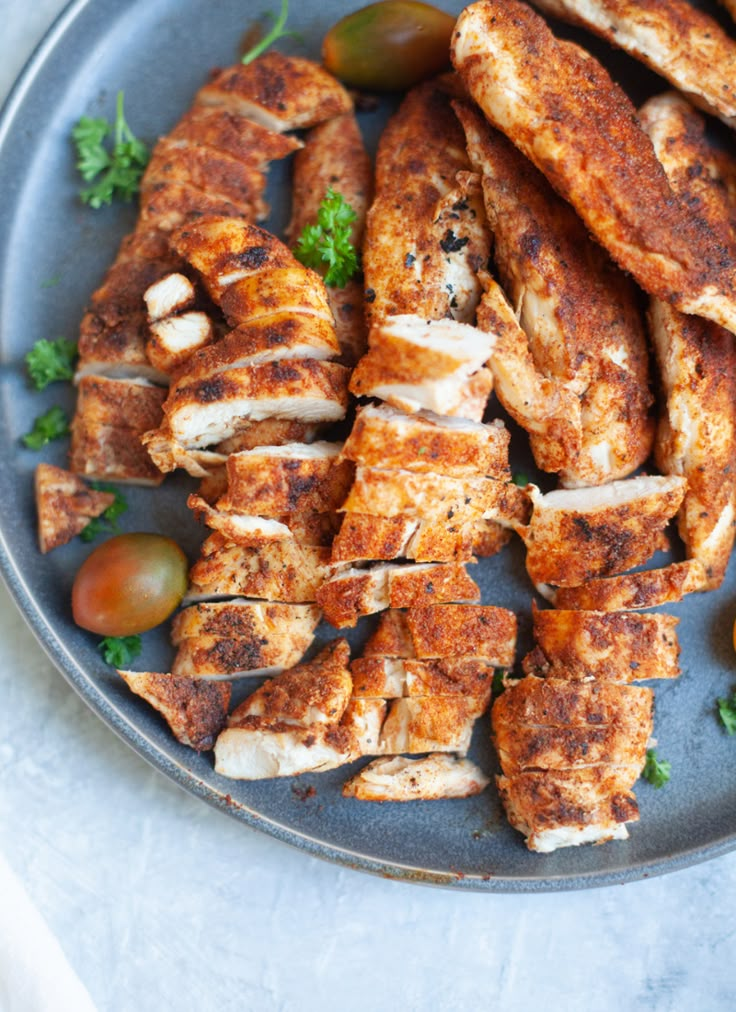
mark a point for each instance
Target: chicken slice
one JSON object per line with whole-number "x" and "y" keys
{"x": 110, "y": 419}
{"x": 429, "y": 724}
{"x": 283, "y": 570}
{"x": 295, "y": 478}
{"x": 172, "y": 341}
{"x": 238, "y": 528}
{"x": 381, "y": 436}
{"x": 560, "y": 107}
{"x": 579, "y": 312}
{"x": 696, "y": 358}
{"x": 229, "y": 133}
{"x": 675, "y": 39}
{"x": 648, "y": 589}
{"x": 349, "y": 595}
{"x": 487, "y": 538}
{"x": 171, "y": 205}
{"x": 362, "y": 537}
{"x": 567, "y": 808}
{"x": 391, "y": 637}
{"x": 173, "y": 293}
{"x": 334, "y": 156}
{"x": 195, "y": 711}
{"x": 578, "y": 534}
{"x": 413, "y": 363}
{"x": 238, "y": 638}
{"x": 392, "y": 678}
{"x": 603, "y": 646}
{"x": 204, "y": 412}
{"x": 426, "y": 779}
{"x": 291, "y": 724}
{"x": 278, "y": 92}
{"x": 462, "y": 630}
{"x": 65, "y": 505}
{"x": 426, "y": 236}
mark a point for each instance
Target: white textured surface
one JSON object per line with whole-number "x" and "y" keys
{"x": 163, "y": 903}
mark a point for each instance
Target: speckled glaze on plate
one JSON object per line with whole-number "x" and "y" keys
{"x": 53, "y": 252}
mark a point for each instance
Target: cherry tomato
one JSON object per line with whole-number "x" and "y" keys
{"x": 129, "y": 584}
{"x": 389, "y": 46}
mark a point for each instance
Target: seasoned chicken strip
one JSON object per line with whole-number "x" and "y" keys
{"x": 696, "y": 358}
{"x": 427, "y": 779}
{"x": 674, "y": 38}
{"x": 579, "y": 312}
{"x": 429, "y": 724}
{"x": 560, "y": 107}
{"x": 648, "y": 589}
{"x": 65, "y": 505}
{"x": 605, "y": 646}
{"x": 392, "y": 678}
{"x": 195, "y": 711}
{"x": 426, "y": 236}
{"x": 579, "y": 534}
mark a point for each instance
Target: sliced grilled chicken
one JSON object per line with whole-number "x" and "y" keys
{"x": 605, "y": 646}
{"x": 291, "y": 724}
{"x": 110, "y": 419}
{"x": 561, "y": 108}
{"x": 173, "y": 293}
{"x": 429, "y": 724}
{"x": 278, "y": 92}
{"x": 426, "y": 779}
{"x": 567, "y": 808}
{"x": 678, "y": 41}
{"x": 347, "y": 596}
{"x": 391, "y": 637}
{"x": 172, "y": 342}
{"x": 295, "y": 478}
{"x": 381, "y": 436}
{"x": 446, "y": 631}
{"x": 334, "y": 157}
{"x": 229, "y": 132}
{"x": 426, "y": 236}
{"x": 65, "y": 505}
{"x": 363, "y": 537}
{"x": 730, "y": 6}
{"x": 579, "y": 312}
{"x": 414, "y": 363}
{"x": 281, "y": 571}
{"x": 392, "y": 678}
{"x": 239, "y": 528}
{"x": 238, "y": 638}
{"x": 579, "y": 534}
{"x": 648, "y": 589}
{"x": 487, "y": 538}
{"x": 195, "y": 711}
{"x": 696, "y": 358}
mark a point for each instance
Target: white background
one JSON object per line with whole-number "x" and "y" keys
{"x": 162, "y": 903}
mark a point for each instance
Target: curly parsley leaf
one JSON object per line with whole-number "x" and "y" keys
{"x": 277, "y": 31}
{"x": 119, "y": 651}
{"x": 48, "y": 361}
{"x": 328, "y": 241}
{"x": 119, "y": 169}
{"x": 107, "y": 521}
{"x": 656, "y": 771}
{"x": 53, "y": 425}
{"x": 727, "y": 713}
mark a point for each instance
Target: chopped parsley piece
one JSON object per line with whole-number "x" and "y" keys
{"x": 48, "y": 361}
{"x": 521, "y": 479}
{"x": 51, "y": 282}
{"x": 53, "y": 425}
{"x": 498, "y": 685}
{"x": 727, "y": 713}
{"x": 119, "y": 651}
{"x": 656, "y": 771}
{"x": 328, "y": 242}
{"x": 119, "y": 169}
{"x": 277, "y": 32}
{"x": 107, "y": 521}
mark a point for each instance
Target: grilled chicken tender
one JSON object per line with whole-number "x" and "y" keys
{"x": 65, "y": 505}
{"x": 580, "y": 315}
{"x": 648, "y": 589}
{"x": 579, "y": 534}
{"x": 292, "y": 723}
{"x": 426, "y": 236}
{"x": 426, "y": 779}
{"x": 675, "y": 39}
{"x": 696, "y": 358}
{"x": 377, "y": 677}
{"x": 603, "y": 646}
{"x": 559, "y": 106}
{"x": 226, "y": 639}
{"x": 195, "y": 711}
{"x": 334, "y": 156}
{"x": 446, "y": 631}
{"x": 438, "y": 365}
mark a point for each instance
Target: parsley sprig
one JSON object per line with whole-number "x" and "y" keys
{"x": 48, "y": 361}
{"x": 656, "y": 771}
{"x": 119, "y": 651}
{"x": 277, "y": 31}
{"x": 53, "y": 425}
{"x": 328, "y": 242}
{"x": 119, "y": 169}
{"x": 727, "y": 713}
{"x": 107, "y": 521}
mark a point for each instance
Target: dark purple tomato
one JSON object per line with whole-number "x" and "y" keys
{"x": 129, "y": 584}
{"x": 389, "y": 46}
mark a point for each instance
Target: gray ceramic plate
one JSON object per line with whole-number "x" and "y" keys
{"x": 53, "y": 252}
